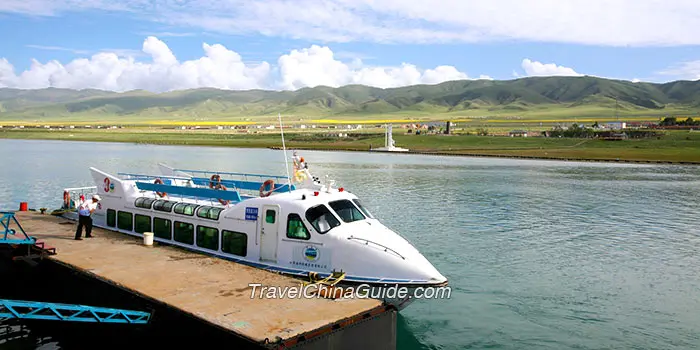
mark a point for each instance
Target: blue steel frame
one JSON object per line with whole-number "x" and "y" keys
{"x": 236, "y": 184}
{"x": 68, "y": 312}
{"x": 6, "y": 220}
{"x": 233, "y": 196}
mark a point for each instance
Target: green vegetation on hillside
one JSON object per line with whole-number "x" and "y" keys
{"x": 529, "y": 99}
{"x": 673, "y": 146}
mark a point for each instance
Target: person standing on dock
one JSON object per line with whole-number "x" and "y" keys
{"x": 85, "y": 210}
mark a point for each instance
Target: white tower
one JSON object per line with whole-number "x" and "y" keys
{"x": 389, "y": 143}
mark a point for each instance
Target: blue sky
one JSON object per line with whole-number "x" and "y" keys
{"x": 280, "y": 44}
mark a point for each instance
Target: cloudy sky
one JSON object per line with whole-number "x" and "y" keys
{"x": 163, "y": 45}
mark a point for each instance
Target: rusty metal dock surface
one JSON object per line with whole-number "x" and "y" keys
{"x": 212, "y": 289}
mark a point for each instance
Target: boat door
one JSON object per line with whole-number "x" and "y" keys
{"x": 269, "y": 232}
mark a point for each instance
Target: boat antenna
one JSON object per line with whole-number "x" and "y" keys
{"x": 284, "y": 149}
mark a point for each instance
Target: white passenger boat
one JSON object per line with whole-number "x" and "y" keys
{"x": 293, "y": 226}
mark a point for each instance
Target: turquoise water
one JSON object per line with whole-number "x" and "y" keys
{"x": 539, "y": 254}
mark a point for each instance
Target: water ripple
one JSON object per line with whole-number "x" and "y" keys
{"x": 540, "y": 254}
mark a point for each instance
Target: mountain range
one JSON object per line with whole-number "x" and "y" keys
{"x": 560, "y": 97}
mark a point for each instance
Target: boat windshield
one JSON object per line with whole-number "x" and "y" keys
{"x": 364, "y": 210}
{"x": 321, "y": 218}
{"x": 346, "y": 210}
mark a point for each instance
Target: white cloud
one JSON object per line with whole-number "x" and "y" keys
{"x": 539, "y": 69}
{"x": 58, "y": 48}
{"x": 118, "y": 52}
{"x": 593, "y": 22}
{"x": 218, "y": 68}
{"x": 319, "y": 66}
{"x": 686, "y": 71}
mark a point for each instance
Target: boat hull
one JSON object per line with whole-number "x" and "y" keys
{"x": 398, "y": 295}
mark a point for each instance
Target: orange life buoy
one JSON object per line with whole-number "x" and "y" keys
{"x": 265, "y": 184}
{"x": 160, "y": 182}
{"x": 215, "y": 181}
{"x": 222, "y": 201}
{"x": 66, "y": 199}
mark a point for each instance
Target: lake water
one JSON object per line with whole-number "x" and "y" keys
{"x": 539, "y": 254}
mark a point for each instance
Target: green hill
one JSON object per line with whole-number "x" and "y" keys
{"x": 528, "y": 98}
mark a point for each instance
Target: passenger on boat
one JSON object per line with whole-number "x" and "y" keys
{"x": 295, "y": 161}
{"x": 85, "y": 210}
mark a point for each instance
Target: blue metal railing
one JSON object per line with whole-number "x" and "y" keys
{"x": 237, "y": 184}
{"x": 69, "y": 312}
{"x": 206, "y": 172}
{"x": 198, "y": 187}
{"x": 6, "y": 220}
{"x": 130, "y": 176}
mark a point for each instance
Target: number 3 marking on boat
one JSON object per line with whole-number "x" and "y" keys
{"x": 106, "y": 184}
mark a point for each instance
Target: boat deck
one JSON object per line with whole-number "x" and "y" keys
{"x": 212, "y": 289}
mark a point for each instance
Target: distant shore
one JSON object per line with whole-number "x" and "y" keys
{"x": 510, "y": 156}
{"x": 674, "y": 148}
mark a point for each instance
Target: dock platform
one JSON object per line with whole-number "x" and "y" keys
{"x": 216, "y": 291}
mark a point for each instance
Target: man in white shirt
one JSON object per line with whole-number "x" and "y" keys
{"x": 85, "y": 209}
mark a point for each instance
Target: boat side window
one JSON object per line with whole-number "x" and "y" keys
{"x": 270, "y": 216}
{"x": 162, "y": 228}
{"x": 214, "y": 213}
{"x": 203, "y": 212}
{"x": 163, "y": 205}
{"x": 363, "y": 209}
{"x": 142, "y": 223}
{"x": 321, "y": 218}
{"x": 125, "y": 221}
{"x": 207, "y": 237}
{"x": 111, "y": 217}
{"x": 346, "y": 210}
{"x": 235, "y": 243}
{"x": 296, "y": 228}
{"x": 209, "y": 213}
{"x": 185, "y": 208}
{"x": 168, "y": 206}
{"x": 184, "y": 232}
{"x": 144, "y": 202}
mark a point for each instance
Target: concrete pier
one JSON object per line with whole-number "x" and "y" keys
{"x": 217, "y": 291}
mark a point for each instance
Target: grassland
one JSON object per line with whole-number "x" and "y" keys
{"x": 533, "y": 100}
{"x": 674, "y": 146}
{"x": 536, "y": 103}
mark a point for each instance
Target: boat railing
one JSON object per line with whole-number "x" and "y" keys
{"x": 203, "y": 188}
{"x": 209, "y": 173}
{"x": 130, "y": 176}
{"x": 386, "y": 249}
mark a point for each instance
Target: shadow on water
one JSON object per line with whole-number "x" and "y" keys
{"x": 405, "y": 338}
{"x": 50, "y": 282}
